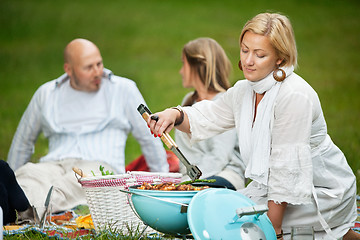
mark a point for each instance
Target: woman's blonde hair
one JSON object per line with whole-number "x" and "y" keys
{"x": 208, "y": 59}
{"x": 278, "y": 29}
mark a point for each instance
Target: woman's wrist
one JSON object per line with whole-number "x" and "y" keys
{"x": 179, "y": 120}
{"x": 280, "y": 235}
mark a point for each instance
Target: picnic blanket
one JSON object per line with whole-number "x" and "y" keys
{"x": 52, "y": 231}
{"x": 64, "y": 225}
{"x": 357, "y": 223}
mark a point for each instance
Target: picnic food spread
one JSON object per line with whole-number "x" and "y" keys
{"x": 169, "y": 186}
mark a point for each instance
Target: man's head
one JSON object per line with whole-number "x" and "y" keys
{"x": 83, "y": 63}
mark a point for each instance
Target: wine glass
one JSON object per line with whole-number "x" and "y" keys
{"x": 302, "y": 233}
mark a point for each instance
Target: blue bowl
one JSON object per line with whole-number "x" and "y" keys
{"x": 163, "y": 215}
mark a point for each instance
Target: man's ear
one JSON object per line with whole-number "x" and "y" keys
{"x": 67, "y": 68}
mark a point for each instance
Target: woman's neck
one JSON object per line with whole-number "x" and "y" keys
{"x": 258, "y": 98}
{"x": 206, "y": 96}
{"x": 203, "y": 92}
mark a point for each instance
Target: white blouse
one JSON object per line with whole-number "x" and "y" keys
{"x": 214, "y": 155}
{"x": 304, "y": 164}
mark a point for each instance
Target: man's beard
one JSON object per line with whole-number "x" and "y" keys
{"x": 78, "y": 84}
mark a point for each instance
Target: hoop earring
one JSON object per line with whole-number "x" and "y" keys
{"x": 279, "y": 75}
{"x": 240, "y": 66}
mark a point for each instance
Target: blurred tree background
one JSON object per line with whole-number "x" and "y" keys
{"x": 142, "y": 40}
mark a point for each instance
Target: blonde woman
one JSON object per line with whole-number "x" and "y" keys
{"x": 206, "y": 69}
{"x": 296, "y": 168}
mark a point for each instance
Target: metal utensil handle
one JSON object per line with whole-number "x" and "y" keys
{"x": 192, "y": 171}
{"x": 152, "y": 197}
{"x": 47, "y": 204}
{"x": 257, "y": 209}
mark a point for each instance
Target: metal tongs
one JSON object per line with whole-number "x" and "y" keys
{"x": 47, "y": 206}
{"x": 192, "y": 171}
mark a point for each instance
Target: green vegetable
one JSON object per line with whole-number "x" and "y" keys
{"x": 103, "y": 173}
{"x": 197, "y": 180}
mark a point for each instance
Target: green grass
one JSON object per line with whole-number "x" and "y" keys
{"x": 142, "y": 40}
{"x": 107, "y": 234}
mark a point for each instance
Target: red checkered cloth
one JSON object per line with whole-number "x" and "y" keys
{"x": 139, "y": 164}
{"x": 110, "y": 182}
{"x": 69, "y": 235}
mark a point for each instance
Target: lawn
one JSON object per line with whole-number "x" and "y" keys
{"x": 142, "y": 40}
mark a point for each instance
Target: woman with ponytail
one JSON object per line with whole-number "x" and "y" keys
{"x": 206, "y": 68}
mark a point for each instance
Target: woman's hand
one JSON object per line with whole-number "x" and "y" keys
{"x": 164, "y": 123}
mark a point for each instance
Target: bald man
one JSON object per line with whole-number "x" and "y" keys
{"x": 86, "y": 114}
